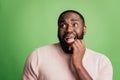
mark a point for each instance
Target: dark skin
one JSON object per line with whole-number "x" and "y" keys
{"x": 70, "y": 32}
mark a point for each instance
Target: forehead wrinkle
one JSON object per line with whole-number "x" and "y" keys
{"x": 68, "y": 17}
{"x": 72, "y": 18}
{"x": 75, "y": 19}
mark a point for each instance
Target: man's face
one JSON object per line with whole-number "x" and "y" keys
{"x": 70, "y": 28}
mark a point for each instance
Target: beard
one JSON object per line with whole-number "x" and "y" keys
{"x": 66, "y": 46}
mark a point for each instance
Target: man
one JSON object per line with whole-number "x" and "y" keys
{"x": 69, "y": 59}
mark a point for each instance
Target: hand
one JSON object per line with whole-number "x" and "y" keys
{"x": 78, "y": 52}
{"x": 77, "y": 57}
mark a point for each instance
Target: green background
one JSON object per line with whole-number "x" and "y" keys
{"x": 29, "y": 24}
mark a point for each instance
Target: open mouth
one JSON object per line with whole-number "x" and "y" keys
{"x": 69, "y": 39}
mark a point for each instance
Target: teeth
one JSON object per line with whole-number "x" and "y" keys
{"x": 69, "y": 40}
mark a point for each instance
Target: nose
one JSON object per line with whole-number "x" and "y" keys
{"x": 69, "y": 29}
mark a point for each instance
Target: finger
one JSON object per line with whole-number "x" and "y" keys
{"x": 78, "y": 44}
{"x": 81, "y": 45}
{"x": 74, "y": 46}
{"x": 82, "y": 42}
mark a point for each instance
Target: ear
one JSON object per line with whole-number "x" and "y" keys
{"x": 84, "y": 30}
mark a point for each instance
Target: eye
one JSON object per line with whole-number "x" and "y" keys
{"x": 75, "y": 25}
{"x": 63, "y": 25}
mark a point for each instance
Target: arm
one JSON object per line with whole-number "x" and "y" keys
{"x": 78, "y": 53}
{"x": 105, "y": 69}
{"x": 31, "y": 67}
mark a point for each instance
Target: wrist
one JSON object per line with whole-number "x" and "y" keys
{"x": 78, "y": 65}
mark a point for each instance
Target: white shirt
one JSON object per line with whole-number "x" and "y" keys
{"x": 51, "y": 63}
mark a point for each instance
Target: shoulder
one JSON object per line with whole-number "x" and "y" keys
{"x": 34, "y": 61}
{"x": 47, "y": 48}
{"x": 39, "y": 53}
{"x": 102, "y": 63}
{"x": 98, "y": 57}
{"x": 95, "y": 54}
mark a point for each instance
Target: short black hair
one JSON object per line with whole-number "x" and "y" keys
{"x": 81, "y": 16}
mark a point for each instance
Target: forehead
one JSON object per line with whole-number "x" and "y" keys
{"x": 70, "y": 16}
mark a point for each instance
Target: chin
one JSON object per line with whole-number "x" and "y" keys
{"x": 69, "y": 44}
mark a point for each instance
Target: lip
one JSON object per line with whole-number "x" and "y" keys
{"x": 70, "y": 38}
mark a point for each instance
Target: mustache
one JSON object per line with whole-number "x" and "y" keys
{"x": 70, "y": 33}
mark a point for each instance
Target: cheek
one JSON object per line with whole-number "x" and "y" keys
{"x": 79, "y": 31}
{"x": 61, "y": 33}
